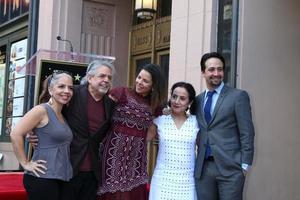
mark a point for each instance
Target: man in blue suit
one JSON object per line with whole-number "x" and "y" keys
{"x": 226, "y": 139}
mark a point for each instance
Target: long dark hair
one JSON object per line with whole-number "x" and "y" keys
{"x": 45, "y": 96}
{"x": 157, "y": 95}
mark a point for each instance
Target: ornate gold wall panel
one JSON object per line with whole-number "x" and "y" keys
{"x": 162, "y": 33}
{"x": 142, "y": 39}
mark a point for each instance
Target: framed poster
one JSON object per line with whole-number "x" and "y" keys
{"x": 16, "y": 82}
{"x": 19, "y": 87}
{"x": 18, "y": 59}
{"x": 18, "y": 106}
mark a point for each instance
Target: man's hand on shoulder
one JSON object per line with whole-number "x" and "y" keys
{"x": 32, "y": 139}
{"x": 166, "y": 111}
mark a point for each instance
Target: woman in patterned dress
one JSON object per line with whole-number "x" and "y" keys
{"x": 173, "y": 177}
{"x": 124, "y": 164}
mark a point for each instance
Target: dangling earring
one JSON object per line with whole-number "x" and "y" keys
{"x": 187, "y": 112}
{"x": 50, "y": 100}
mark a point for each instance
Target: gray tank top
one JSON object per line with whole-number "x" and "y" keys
{"x": 54, "y": 147}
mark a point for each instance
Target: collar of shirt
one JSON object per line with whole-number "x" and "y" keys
{"x": 218, "y": 89}
{"x": 215, "y": 96}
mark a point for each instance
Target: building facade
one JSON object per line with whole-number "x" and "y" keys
{"x": 259, "y": 39}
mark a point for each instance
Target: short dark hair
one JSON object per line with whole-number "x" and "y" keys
{"x": 207, "y": 56}
{"x": 189, "y": 88}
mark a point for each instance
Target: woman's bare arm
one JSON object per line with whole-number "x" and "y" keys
{"x": 36, "y": 117}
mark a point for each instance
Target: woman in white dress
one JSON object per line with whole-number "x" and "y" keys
{"x": 173, "y": 177}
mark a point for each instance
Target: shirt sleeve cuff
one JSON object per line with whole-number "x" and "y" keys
{"x": 245, "y": 166}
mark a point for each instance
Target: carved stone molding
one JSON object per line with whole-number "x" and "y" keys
{"x": 98, "y": 18}
{"x": 98, "y": 25}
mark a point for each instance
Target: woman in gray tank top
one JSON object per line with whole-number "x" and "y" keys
{"x": 49, "y": 169}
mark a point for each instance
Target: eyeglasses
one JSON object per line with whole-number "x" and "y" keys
{"x": 58, "y": 72}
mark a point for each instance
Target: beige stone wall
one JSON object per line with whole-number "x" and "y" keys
{"x": 268, "y": 68}
{"x": 192, "y": 33}
{"x": 99, "y": 27}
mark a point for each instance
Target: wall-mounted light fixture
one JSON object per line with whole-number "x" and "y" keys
{"x": 145, "y": 9}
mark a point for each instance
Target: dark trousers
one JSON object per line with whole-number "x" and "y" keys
{"x": 83, "y": 186}
{"x": 44, "y": 189}
{"x": 213, "y": 186}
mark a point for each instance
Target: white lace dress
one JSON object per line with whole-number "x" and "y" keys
{"x": 173, "y": 177}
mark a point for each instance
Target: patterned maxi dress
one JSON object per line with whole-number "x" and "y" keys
{"x": 124, "y": 165}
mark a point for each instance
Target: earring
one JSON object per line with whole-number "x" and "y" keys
{"x": 50, "y": 100}
{"x": 187, "y": 112}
